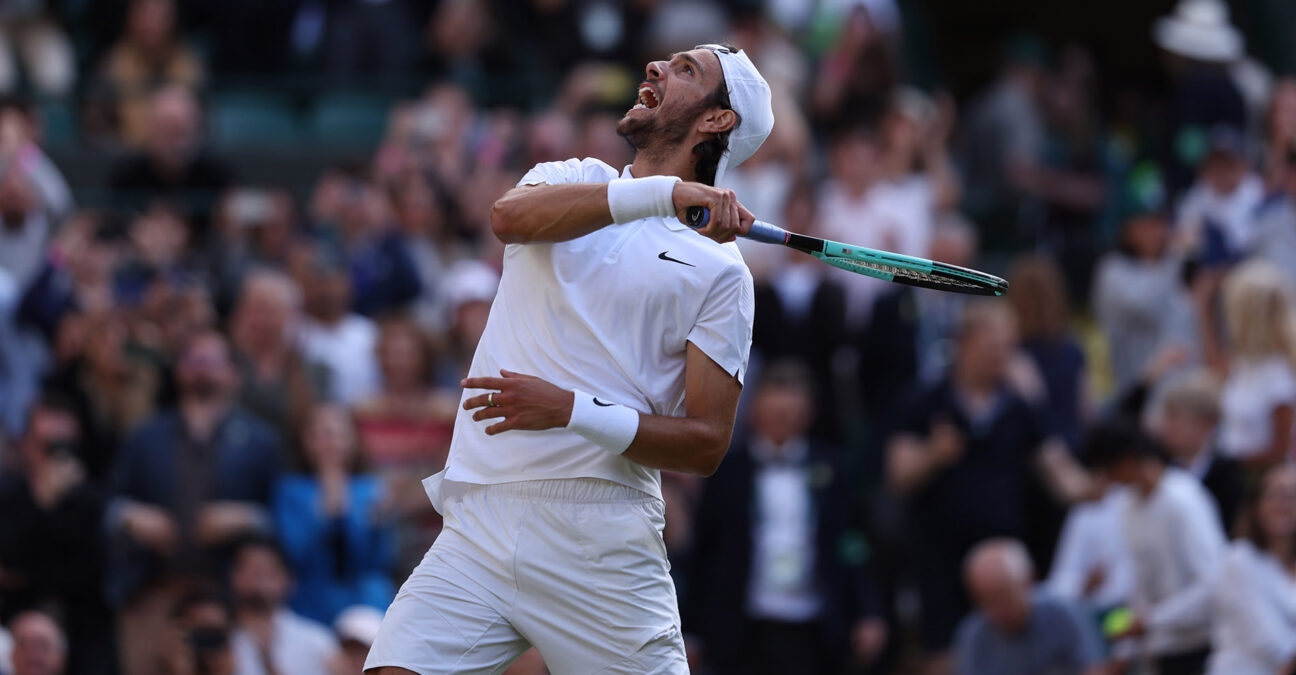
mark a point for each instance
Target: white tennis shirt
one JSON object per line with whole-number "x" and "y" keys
{"x": 611, "y": 314}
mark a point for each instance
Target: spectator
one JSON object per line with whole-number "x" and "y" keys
{"x": 40, "y": 647}
{"x": 1258, "y": 401}
{"x": 1279, "y": 131}
{"x": 800, "y": 314}
{"x": 197, "y": 637}
{"x": 771, "y": 592}
{"x": 28, "y": 31}
{"x": 1003, "y": 139}
{"x": 858, "y": 73}
{"x": 148, "y": 56}
{"x": 420, "y": 212}
{"x": 1092, "y": 564}
{"x": 1255, "y": 611}
{"x": 356, "y": 627}
{"x": 1186, "y": 422}
{"x": 268, "y": 637}
{"x": 406, "y": 426}
{"x": 331, "y": 522}
{"x": 256, "y": 229}
{"x": 1176, "y": 541}
{"x": 962, "y": 456}
{"x": 1202, "y": 46}
{"x": 1217, "y": 214}
{"x": 1039, "y": 300}
{"x": 847, "y": 213}
{"x": 19, "y": 137}
{"x": 171, "y": 162}
{"x": 112, "y": 390}
{"x": 1275, "y": 226}
{"x": 383, "y": 276}
{"x": 330, "y": 334}
{"x": 1138, "y": 294}
{"x": 189, "y": 481}
{"x": 278, "y": 384}
{"x": 919, "y": 181}
{"x": 26, "y": 224}
{"x": 49, "y": 556}
{"x": 1015, "y": 630}
{"x": 470, "y": 290}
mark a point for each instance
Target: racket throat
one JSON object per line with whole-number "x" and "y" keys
{"x": 803, "y": 243}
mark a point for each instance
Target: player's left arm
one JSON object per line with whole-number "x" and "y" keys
{"x": 694, "y": 443}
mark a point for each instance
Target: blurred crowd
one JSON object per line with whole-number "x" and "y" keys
{"x": 218, "y": 397}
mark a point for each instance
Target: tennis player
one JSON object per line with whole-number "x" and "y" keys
{"x": 615, "y": 348}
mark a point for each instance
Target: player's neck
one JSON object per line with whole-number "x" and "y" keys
{"x": 678, "y": 161}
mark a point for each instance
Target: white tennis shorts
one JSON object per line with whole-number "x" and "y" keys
{"x": 575, "y": 567}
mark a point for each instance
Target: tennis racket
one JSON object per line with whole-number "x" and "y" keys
{"x": 901, "y": 269}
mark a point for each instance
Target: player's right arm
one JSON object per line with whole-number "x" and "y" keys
{"x": 545, "y": 213}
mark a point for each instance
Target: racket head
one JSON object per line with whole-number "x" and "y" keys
{"x": 903, "y": 269}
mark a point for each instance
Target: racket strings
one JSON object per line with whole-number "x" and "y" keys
{"x": 901, "y": 272}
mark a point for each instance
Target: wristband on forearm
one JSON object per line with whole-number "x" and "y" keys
{"x": 631, "y": 199}
{"x": 607, "y": 425}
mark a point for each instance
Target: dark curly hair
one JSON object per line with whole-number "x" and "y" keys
{"x": 709, "y": 152}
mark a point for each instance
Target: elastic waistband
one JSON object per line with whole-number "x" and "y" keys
{"x": 579, "y": 490}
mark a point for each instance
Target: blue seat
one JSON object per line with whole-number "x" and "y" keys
{"x": 352, "y": 121}
{"x": 59, "y": 127}
{"x": 247, "y": 120}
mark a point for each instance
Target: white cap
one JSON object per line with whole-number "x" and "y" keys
{"x": 1200, "y": 29}
{"x": 469, "y": 281}
{"x": 749, "y": 96}
{"x": 359, "y": 623}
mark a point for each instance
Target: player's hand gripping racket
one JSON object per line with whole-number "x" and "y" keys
{"x": 901, "y": 269}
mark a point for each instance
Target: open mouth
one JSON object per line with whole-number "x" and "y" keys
{"x": 647, "y": 99}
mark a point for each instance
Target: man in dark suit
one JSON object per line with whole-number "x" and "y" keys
{"x": 778, "y": 582}
{"x": 189, "y": 482}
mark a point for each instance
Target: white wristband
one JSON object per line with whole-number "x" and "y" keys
{"x": 607, "y": 425}
{"x": 631, "y": 199}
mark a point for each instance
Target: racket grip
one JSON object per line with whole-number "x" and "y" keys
{"x": 699, "y": 216}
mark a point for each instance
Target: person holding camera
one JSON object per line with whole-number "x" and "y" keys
{"x": 46, "y": 558}
{"x": 197, "y": 641}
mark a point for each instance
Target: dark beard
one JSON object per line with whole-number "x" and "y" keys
{"x": 657, "y": 134}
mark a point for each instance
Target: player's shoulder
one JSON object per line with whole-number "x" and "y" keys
{"x": 574, "y": 170}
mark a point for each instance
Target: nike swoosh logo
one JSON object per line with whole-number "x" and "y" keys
{"x": 663, "y": 256}
{"x": 606, "y": 405}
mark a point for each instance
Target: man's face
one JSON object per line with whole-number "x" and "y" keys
{"x": 50, "y": 432}
{"x": 38, "y": 646}
{"x": 671, "y": 99}
{"x": 1005, "y": 602}
{"x": 1182, "y": 432}
{"x": 204, "y": 370}
{"x": 206, "y": 628}
{"x": 989, "y": 348}
{"x": 259, "y": 579}
{"x": 781, "y": 413}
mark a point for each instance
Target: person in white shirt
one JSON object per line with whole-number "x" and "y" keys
{"x": 1091, "y": 564}
{"x": 615, "y": 348}
{"x": 1218, "y": 214}
{"x": 330, "y": 334}
{"x": 1175, "y": 539}
{"x": 268, "y": 638}
{"x": 1258, "y": 402}
{"x": 1254, "y": 630}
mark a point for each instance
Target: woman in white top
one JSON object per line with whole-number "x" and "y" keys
{"x": 1254, "y": 630}
{"x": 1259, "y": 394}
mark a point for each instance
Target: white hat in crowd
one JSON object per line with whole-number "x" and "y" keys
{"x": 358, "y": 623}
{"x": 1200, "y": 30}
